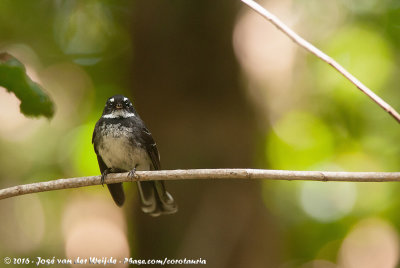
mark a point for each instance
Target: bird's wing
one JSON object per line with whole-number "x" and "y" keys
{"x": 151, "y": 149}
{"x": 102, "y": 165}
{"x": 94, "y": 134}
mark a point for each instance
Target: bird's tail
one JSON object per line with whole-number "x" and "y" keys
{"x": 117, "y": 193}
{"x": 155, "y": 198}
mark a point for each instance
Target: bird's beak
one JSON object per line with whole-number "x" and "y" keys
{"x": 119, "y": 106}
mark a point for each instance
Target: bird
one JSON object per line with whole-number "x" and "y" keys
{"x": 122, "y": 143}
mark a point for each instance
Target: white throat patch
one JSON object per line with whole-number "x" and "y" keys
{"x": 118, "y": 114}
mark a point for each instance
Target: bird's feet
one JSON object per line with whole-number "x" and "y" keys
{"x": 104, "y": 174}
{"x": 132, "y": 174}
{"x": 108, "y": 171}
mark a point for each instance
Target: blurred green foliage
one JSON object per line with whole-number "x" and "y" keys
{"x": 83, "y": 160}
{"x": 333, "y": 126}
{"x": 34, "y": 101}
{"x": 299, "y": 134}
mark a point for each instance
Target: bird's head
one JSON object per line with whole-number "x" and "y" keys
{"x": 118, "y": 106}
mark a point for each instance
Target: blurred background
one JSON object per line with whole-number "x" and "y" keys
{"x": 218, "y": 87}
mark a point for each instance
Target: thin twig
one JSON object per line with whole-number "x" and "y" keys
{"x": 312, "y": 49}
{"x": 191, "y": 174}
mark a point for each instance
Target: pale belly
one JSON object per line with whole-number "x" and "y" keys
{"x": 117, "y": 152}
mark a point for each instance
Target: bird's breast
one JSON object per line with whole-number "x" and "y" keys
{"x": 118, "y": 148}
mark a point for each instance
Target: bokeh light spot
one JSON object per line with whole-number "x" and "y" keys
{"x": 327, "y": 202}
{"x": 263, "y": 51}
{"x": 319, "y": 264}
{"x": 83, "y": 28}
{"x": 372, "y": 243}
{"x": 23, "y": 224}
{"x": 94, "y": 227}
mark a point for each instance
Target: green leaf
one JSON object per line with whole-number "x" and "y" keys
{"x": 13, "y": 77}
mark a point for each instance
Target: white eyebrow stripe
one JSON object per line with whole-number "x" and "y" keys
{"x": 112, "y": 99}
{"x": 125, "y": 99}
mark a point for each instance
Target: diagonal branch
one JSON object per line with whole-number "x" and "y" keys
{"x": 312, "y": 49}
{"x": 190, "y": 174}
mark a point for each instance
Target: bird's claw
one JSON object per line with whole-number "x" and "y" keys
{"x": 103, "y": 176}
{"x": 132, "y": 174}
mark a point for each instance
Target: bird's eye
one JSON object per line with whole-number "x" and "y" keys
{"x": 126, "y": 102}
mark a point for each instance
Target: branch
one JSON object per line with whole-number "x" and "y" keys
{"x": 312, "y": 49}
{"x": 190, "y": 174}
